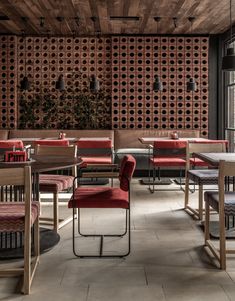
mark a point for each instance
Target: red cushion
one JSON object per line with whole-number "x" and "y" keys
{"x": 11, "y": 144}
{"x": 54, "y": 183}
{"x": 170, "y": 144}
{"x": 12, "y": 215}
{"x": 94, "y": 143}
{"x": 99, "y": 197}
{"x": 198, "y": 162}
{"x": 59, "y": 142}
{"x": 168, "y": 161}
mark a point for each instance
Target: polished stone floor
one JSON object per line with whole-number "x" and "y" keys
{"x": 167, "y": 261}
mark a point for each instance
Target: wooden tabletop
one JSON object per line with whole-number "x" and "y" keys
{"x": 214, "y": 158}
{"x": 149, "y": 140}
{"x": 45, "y": 163}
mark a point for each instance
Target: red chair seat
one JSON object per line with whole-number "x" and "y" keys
{"x": 12, "y": 216}
{"x": 198, "y": 162}
{"x": 99, "y": 197}
{"x": 54, "y": 183}
{"x": 168, "y": 161}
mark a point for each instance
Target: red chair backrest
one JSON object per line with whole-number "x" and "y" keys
{"x": 93, "y": 147}
{"x": 9, "y": 144}
{"x": 170, "y": 148}
{"x": 127, "y": 169}
{"x": 61, "y": 142}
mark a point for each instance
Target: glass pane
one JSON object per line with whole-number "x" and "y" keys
{"x": 231, "y": 107}
{"x": 230, "y": 136}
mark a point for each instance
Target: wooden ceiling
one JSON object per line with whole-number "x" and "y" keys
{"x": 40, "y": 17}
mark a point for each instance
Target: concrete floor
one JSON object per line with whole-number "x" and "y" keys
{"x": 167, "y": 261}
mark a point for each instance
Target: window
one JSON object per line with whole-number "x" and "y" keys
{"x": 230, "y": 106}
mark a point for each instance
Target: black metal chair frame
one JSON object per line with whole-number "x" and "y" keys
{"x": 77, "y": 215}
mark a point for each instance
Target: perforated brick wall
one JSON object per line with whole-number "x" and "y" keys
{"x": 136, "y": 60}
{"x": 8, "y": 83}
{"x": 77, "y": 59}
{"x": 126, "y": 67}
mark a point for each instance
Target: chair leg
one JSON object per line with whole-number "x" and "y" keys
{"x": 55, "y": 212}
{"x": 222, "y": 242}
{"x": 200, "y": 202}
{"x": 27, "y": 262}
{"x": 36, "y": 231}
{"x": 207, "y": 222}
{"x": 186, "y": 195}
{"x": 127, "y": 224}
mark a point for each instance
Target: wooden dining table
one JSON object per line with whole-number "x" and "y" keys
{"x": 48, "y": 237}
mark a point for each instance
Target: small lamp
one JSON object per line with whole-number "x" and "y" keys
{"x": 157, "y": 85}
{"x": 94, "y": 84}
{"x": 25, "y": 84}
{"x": 191, "y": 85}
{"x": 59, "y": 85}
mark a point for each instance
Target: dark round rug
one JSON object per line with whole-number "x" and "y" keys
{"x": 48, "y": 239}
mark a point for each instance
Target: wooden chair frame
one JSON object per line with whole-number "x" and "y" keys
{"x": 192, "y": 147}
{"x": 226, "y": 169}
{"x": 58, "y": 151}
{"x": 22, "y": 177}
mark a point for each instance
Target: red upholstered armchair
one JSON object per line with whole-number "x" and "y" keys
{"x": 18, "y": 215}
{"x": 105, "y": 197}
{"x": 167, "y": 153}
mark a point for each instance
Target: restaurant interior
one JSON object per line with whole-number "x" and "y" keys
{"x": 117, "y": 140}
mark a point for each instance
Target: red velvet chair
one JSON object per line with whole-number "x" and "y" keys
{"x": 105, "y": 197}
{"x": 55, "y": 183}
{"x": 94, "y": 153}
{"x": 167, "y": 153}
{"x": 19, "y": 216}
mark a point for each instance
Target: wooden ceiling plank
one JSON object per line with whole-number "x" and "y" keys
{"x": 147, "y": 8}
{"x": 102, "y": 8}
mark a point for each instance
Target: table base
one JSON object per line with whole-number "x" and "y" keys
{"x": 48, "y": 239}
